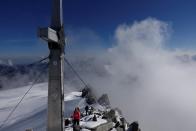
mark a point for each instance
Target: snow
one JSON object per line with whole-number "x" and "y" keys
{"x": 34, "y": 102}
{"x": 72, "y": 96}
{"x": 85, "y": 130}
{"x": 92, "y": 124}
{"x": 32, "y": 111}
{"x": 99, "y": 107}
{"x": 86, "y": 123}
{"x": 71, "y": 129}
{"x": 113, "y": 129}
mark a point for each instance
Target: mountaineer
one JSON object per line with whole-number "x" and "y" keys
{"x": 76, "y": 116}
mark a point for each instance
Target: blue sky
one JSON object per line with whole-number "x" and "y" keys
{"x": 20, "y": 19}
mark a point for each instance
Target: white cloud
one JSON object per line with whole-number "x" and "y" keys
{"x": 149, "y": 82}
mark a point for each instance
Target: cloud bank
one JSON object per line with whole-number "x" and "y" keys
{"x": 149, "y": 82}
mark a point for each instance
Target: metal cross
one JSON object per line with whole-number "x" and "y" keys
{"x": 55, "y": 37}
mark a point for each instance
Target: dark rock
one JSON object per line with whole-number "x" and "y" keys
{"x": 117, "y": 124}
{"x": 67, "y": 122}
{"x": 110, "y": 115}
{"x": 85, "y": 92}
{"x": 90, "y": 100}
{"x": 104, "y": 117}
{"x": 118, "y": 110}
{"x": 94, "y": 118}
{"x": 88, "y": 93}
{"x": 134, "y": 126}
{"x": 104, "y": 100}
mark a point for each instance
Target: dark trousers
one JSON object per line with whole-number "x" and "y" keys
{"x": 76, "y": 122}
{"x": 86, "y": 112}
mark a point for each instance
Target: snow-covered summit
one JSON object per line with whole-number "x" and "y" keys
{"x": 32, "y": 111}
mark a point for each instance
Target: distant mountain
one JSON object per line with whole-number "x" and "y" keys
{"x": 21, "y": 74}
{"x": 8, "y": 62}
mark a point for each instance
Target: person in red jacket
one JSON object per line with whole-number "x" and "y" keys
{"x": 76, "y": 116}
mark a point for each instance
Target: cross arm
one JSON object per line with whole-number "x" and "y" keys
{"x": 48, "y": 34}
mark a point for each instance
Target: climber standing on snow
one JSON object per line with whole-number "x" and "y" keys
{"x": 86, "y": 109}
{"x": 76, "y": 116}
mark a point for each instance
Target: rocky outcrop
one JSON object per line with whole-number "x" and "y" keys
{"x": 103, "y": 127}
{"x": 104, "y": 100}
{"x": 88, "y": 93}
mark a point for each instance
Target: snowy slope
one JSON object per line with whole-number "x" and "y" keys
{"x": 32, "y": 111}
